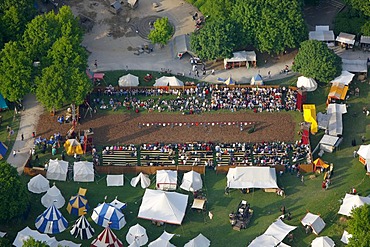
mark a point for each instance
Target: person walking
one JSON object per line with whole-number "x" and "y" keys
{"x": 14, "y": 153}
{"x": 302, "y": 179}
{"x": 96, "y": 64}
{"x": 22, "y": 137}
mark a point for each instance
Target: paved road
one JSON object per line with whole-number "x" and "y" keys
{"x": 29, "y": 119}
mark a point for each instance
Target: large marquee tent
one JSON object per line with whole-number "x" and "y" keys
{"x": 38, "y": 184}
{"x": 51, "y": 221}
{"x": 251, "y": 177}
{"x": 57, "y": 170}
{"x": 162, "y": 206}
{"x": 53, "y": 197}
{"x": 105, "y": 214}
{"x": 128, "y": 81}
{"x": 165, "y": 81}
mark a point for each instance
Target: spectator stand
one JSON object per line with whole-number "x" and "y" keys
{"x": 157, "y": 154}
{"x": 196, "y": 153}
{"x": 120, "y": 155}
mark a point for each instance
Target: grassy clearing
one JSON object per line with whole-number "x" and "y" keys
{"x": 11, "y": 120}
{"x": 348, "y": 172}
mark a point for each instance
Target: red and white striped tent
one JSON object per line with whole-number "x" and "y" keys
{"x": 107, "y": 238}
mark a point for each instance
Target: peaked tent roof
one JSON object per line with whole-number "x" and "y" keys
{"x": 181, "y": 44}
{"x": 107, "y": 238}
{"x": 279, "y": 230}
{"x": 323, "y": 242}
{"x": 264, "y": 240}
{"x": 198, "y": 241}
{"x": 54, "y": 197}
{"x": 105, "y": 214}
{"x": 308, "y": 84}
{"x": 346, "y": 38}
{"x": 26, "y": 233}
{"x": 364, "y": 151}
{"x": 345, "y": 78}
{"x": 38, "y": 184}
{"x": 143, "y": 178}
{"x": 51, "y": 221}
{"x": 168, "y": 207}
{"x": 257, "y": 80}
{"x": 128, "y": 81}
{"x": 137, "y": 234}
{"x": 165, "y": 81}
{"x": 57, "y": 170}
{"x": 64, "y": 243}
{"x": 314, "y": 221}
{"x": 192, "y": 181}
{"x": 229, "y": 81}
{"x": 77, "y": 205}
{"x": 82, "y": 229}
{"x": 320, "y": 163}
{"x": 115, "y": 180}
{"x": 83, "y": 171}
{"x": 163, "y": 240}
{"x": 251, "y": 177}
{"x": 352, "y": 201}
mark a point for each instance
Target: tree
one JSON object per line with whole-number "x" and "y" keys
{"x": 14, "y": 15}
{"x": 31, "y": 242}
{"x": 15, "y": 72}
{"x": 162, "y": 31}
{"x": 216, "y": 39}
{"x": 349, "y": 21}
{"x": 316, "y": 60}
{"x": 359, "y": 227}
{"x": 361, "y": 5}
{"x": 13, "y": 194}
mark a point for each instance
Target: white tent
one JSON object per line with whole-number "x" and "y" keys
{"x": 137, "y": 234}
{"x": 264, "y": 240}
{"x": 162, "y": 206}
{"x": 165, "y": 81}
{"x": 308, "y": 84}
{"x": 38, "y": 184}
{"x": 355, "y": 65}
{"x": 335, "y": 123}
{"x": 65, "y": 243}
{"x": 279, "y": 230}
{"x": 128, "y": 81}
{"x": 2, "y": 234}
{"x": 57, "y": 170}
{"x": 352, "y": 201}
{"x": 364, "y": 153}
{"x": 192, "y": 181}
{"x": 83, "y": 171}
{"x": 53, "y": 196}
{"x": 328, "y": 143}
{"x": 274, "y": 234}
{"x": 345, "y": 237}
{"x": 27, "y": 233}
{"x": 166, "y": 180}
{"x": 315, "y": 221}
{"x": 241, "y": 56}
{"x": 345, "y": 78}
{"x": 365, "y": 39}
{"x": 115, "y": 180}
{"x": 118, "y": 204}
{"x": 322, "y": 33}
{"x": 143, "y": 178}
{"x": 163, "y": 240}
{"x": 198, "y": 241}
{"x": 251, "y": 177}
{"x": 346, "y": 38}
{"x": 323, "y": 242}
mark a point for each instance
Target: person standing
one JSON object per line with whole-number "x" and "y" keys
{"x": 302, "y": 179}
{"x": 14, "y": 153}
{"x": 22, "y": 137}
{"x": 96, "y": 64}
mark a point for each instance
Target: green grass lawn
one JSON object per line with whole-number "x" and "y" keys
{"x": 300, "y": 197}
{"x": 11, "y": 120}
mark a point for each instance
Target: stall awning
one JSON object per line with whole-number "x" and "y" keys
{"x": 338, "y": 91}
{"x": 346, "y": 38}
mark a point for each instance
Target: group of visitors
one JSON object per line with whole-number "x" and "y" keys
{"x": 202, "y": 98}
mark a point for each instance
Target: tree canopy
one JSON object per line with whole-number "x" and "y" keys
{"x": 270, "y": 26}
{"x": 162, "y": 31}
{"x": 53, "y": 40}
{"x": 359, "y": 227}
{"x": 213, "y": 41}
{"x": 31, "y": 242}
{"x": 13, "y": 194}
{"x": 316, "y": 60}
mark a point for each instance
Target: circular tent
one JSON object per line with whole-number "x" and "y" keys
{"x": 106, "y": 214}
{"x": 51, "y": 221}
{"x": 128, "y": 81}
{"x": 308, "y": 84}
{"x": 38, "y": 184}
{"x": 53, "y": 197}
{"x": 198, "y": 241}
{"x": 77, "y": 205}
{"x": 137, "y": 234}
{"x": 107, "y": 238}
{"x": 82, "y": 229}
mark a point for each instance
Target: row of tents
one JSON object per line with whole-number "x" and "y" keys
{"x": 130, "y": 80}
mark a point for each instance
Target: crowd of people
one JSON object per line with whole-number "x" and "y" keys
{"x": 202, "y": 98}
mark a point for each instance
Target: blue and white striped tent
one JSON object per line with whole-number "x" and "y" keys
{"x": 104, "y": 214}
{"x": 51, "y": 221}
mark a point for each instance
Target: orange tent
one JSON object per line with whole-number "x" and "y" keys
{"x": 320, "y": 163}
